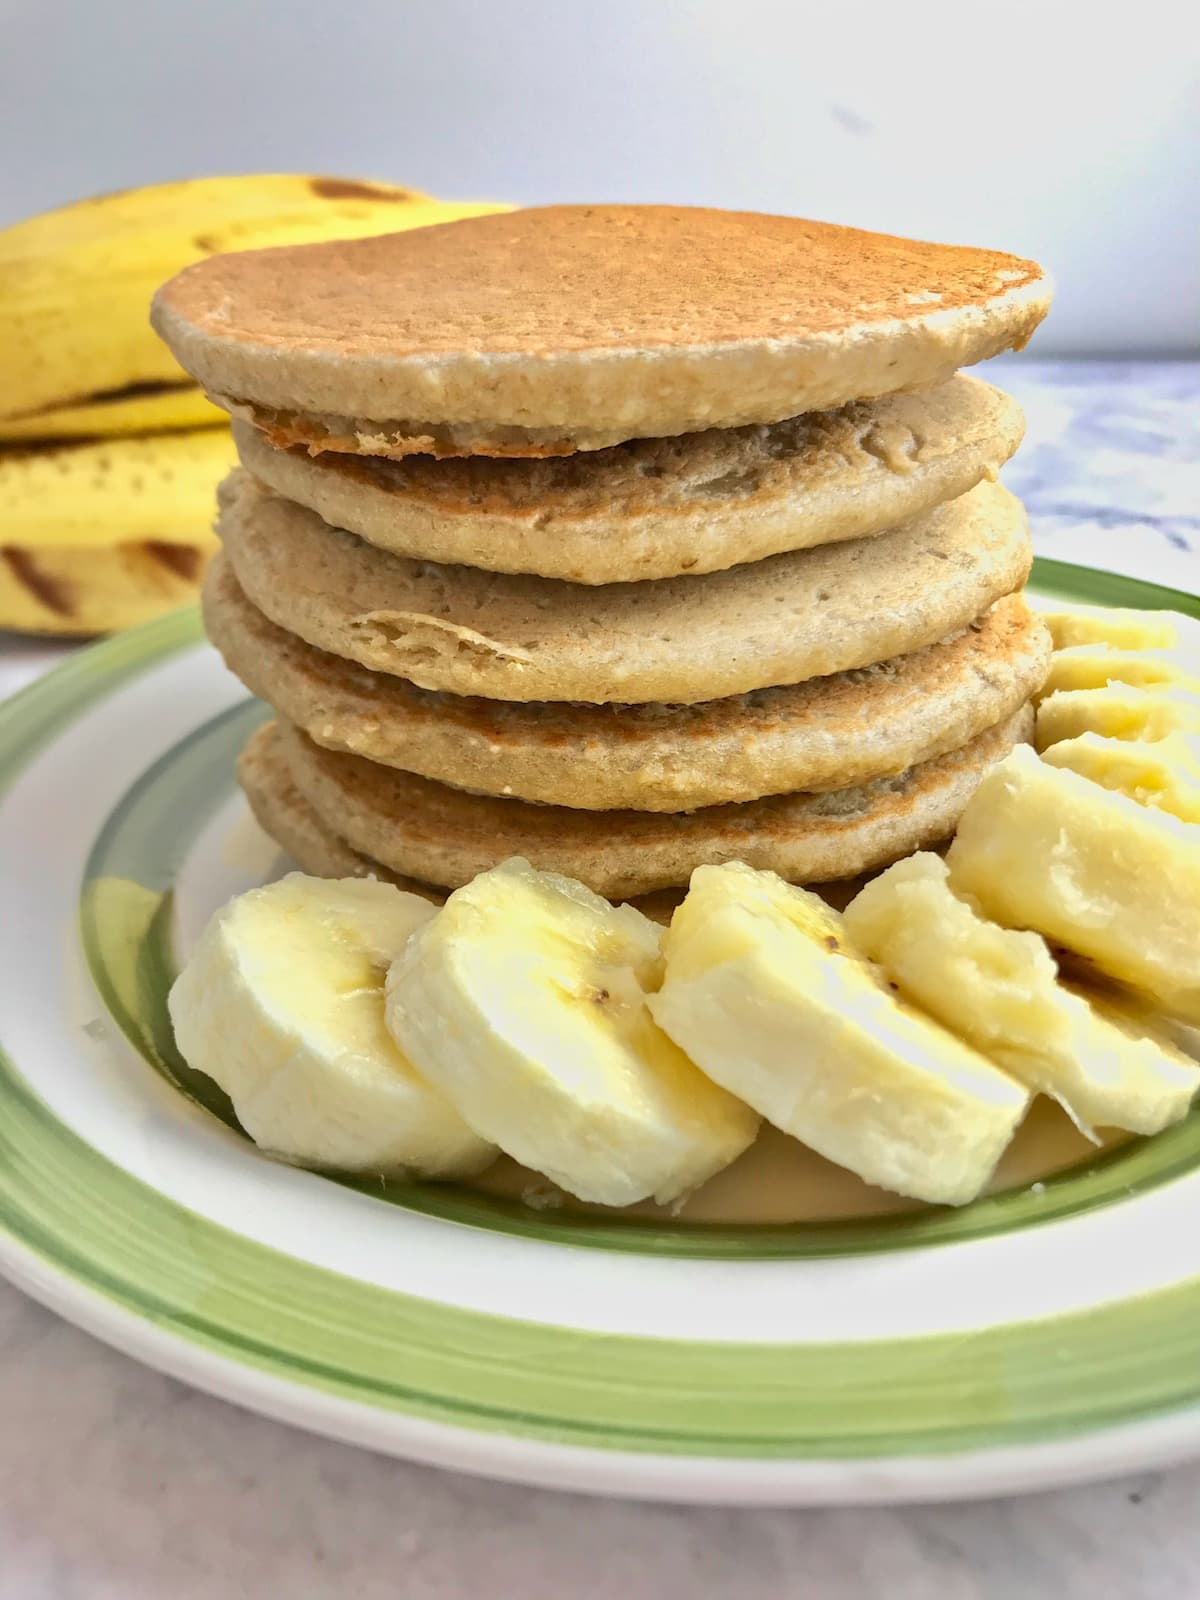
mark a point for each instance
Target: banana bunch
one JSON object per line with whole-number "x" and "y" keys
{"x": 109, "y": 453}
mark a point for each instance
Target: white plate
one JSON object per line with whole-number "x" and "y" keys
{"x": 1043, "y": 1335}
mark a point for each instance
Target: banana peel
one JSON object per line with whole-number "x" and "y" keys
{"x": 80, "y": 591}
{"x": 109, "y": 491}
{"x": 76, "y": 348}
{"x": 148, "y": 409}
{"x": 103, "y": 535}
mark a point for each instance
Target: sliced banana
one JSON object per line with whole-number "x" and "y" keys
{"x": 282, "y": 1003}
{"x": 525, "y": 1001}
{"x": 999, "y": 990}
{"x": 768, "y": 996}
{"x": 1119, "y": 711}
{"x": 1163, "y": 773}
{"x": 1040, "y": 847}
{"x": 1095, "y": 666}
{"x": 1121, "y": 627}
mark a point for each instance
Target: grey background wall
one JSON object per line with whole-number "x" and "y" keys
{"x": 1068, "y": 131}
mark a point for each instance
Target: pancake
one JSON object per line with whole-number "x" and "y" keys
{"x": 283, "y": 813}
{"x": 286, "y": 816}
{"x": 654, "y": 508}
{"x": 543, "y": 331}
{"x": 824, "y": 734}
{"x": 440, "y": 835}
{"x": 509, "y": 637}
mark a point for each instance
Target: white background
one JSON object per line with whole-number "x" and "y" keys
{"x": 1064, "y": 130}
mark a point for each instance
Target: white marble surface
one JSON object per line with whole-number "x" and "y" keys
{"x": 118, "y": 1484}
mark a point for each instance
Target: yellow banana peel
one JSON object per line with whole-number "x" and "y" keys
{"x": 76, "y": 349}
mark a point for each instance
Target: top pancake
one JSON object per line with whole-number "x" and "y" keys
{"x": 653, "y": 508}
{"x": 544, "y": 331}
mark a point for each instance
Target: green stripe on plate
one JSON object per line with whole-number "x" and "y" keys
{"x": 35, "y": 716}
{"x": 1001, "y": 1386}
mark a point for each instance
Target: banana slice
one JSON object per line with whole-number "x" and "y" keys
{"x": 1118, "y": 712}
{"x": 282, "y": 1003}
{"x": 524, "y": 1001}
{"x": 1120, "y": 627}
{"x": 1040, "y": 847}
{"x": 1095, "y": 666}
{"x": 766, "y": 993}
{"x": 1163, "y": 773}
{"x": 999, "y": 990}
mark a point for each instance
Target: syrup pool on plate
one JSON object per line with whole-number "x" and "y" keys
{"x": 779, "y": 1180}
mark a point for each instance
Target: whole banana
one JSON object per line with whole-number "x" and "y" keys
{"x": 107, "y": 522}
{"x": 77, "y": 354}
{"x": 101, "y": 535}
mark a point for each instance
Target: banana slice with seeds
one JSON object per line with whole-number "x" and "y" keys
{"x": 282, "y": 1003}
{"x": 767, "y": 994}
{"x": 525, "y": 1001}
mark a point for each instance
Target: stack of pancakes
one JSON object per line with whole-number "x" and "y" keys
{"x": 621, "y": 538}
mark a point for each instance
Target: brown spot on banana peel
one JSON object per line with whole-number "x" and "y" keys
{"x": 50, "y": 592}
{"x": 356, "y": 189}
{"x": 182, "y": 559}
{"x": 144, "y": 390}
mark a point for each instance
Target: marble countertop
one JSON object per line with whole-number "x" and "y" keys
{"x": 117, "y": 1483}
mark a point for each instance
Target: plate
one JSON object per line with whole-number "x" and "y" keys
{"x": 1049, "y": 1333}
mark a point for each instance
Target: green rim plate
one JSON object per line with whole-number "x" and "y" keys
{"x": 116, "y": 1254}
